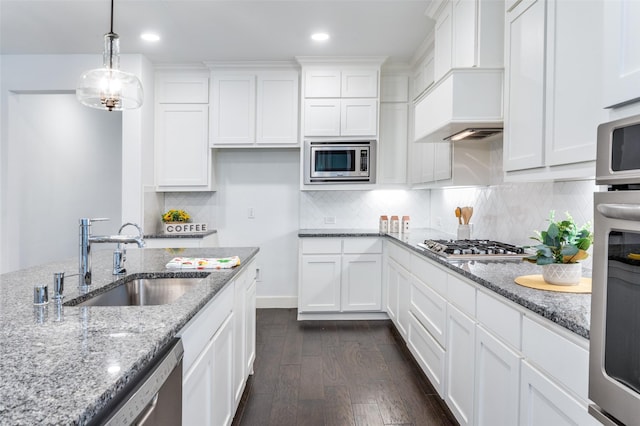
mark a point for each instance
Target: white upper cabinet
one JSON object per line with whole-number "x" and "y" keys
{"x": 254, "y": 107}
{"x": 178, "y": 89}
{"x": 340, "y": 97}
{"x": 277, "y": 108}
{"x": 359, "y": 83}
{"x": 467, "y": 34}
{"x": 443, "y": 42}
{"x": 524, "y": 84}
{"x": 392, "y": 146}
{"x": 323, "y": 83}
{"x": 182, "y": 158}
{"x": 553, "y": 62}
{"x": 621, "y": 52}
{"x": 233, "y": 112}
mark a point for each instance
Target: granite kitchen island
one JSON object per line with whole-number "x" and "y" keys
{"x": 62, "y": 364}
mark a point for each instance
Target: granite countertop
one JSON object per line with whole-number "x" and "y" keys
{"x": 62, "y": 364}
{"x": 184, "y": 235}
{"x": 569, "y": 310}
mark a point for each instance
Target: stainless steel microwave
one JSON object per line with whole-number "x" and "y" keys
{"x": 618, "y": 152}
{"x": 339, "y": 162}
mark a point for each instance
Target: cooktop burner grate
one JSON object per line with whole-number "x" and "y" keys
{"x": 472, "y": 249}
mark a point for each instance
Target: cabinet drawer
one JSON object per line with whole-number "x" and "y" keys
{"x": 400, "y": 255}
{"x": 461, "y": 294}
{"x": 430, "y": 309}
{"x": 362, "y": 245}
{"x": 500, "y": 318}
{"x": 428, "y": 353}
{"x": 321, "y": 245}
{"x": 197, "y": 333}
{"x": 429, "y": 274}
{"x": 567, "y": 362}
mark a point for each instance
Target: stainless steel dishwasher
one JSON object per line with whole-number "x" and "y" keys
{"x": 155, "y": 398}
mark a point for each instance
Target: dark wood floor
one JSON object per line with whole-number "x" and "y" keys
{"x": 335, "y": 373}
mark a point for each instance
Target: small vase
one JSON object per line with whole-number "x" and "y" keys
{"x": 562, "y": 273}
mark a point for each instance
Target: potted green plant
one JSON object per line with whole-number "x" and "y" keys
{"x": 562, "y": 246}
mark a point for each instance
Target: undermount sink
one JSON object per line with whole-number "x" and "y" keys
{"x": 143, "y": 292}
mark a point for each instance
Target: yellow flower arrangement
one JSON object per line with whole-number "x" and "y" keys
{"x": 176, "y": 216}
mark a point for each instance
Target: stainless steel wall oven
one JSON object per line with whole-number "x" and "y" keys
{"x": 614, "y": 364}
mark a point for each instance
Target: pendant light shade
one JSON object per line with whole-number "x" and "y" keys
{"x": 109, "y": 88}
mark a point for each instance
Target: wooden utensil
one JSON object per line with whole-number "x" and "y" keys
{"x": 458, "y": 215}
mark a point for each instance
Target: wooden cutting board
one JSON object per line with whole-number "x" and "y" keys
{"x": 536, "y": 281}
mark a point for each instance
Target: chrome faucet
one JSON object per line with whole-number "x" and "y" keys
{"x": 86, "y": 239}
{"x": 120, "y": 253}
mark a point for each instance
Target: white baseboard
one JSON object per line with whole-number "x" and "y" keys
{"x": 333, "y": 316}
{"x": 276, "y": 302}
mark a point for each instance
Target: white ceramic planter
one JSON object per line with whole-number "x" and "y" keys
{"x": 562, "y": 273}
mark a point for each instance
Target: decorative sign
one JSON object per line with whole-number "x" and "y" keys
{"x": 184, "y": 228}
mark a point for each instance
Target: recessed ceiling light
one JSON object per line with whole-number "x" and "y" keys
{"x": 320, "y": 36}
{"x": 150, "y": 37}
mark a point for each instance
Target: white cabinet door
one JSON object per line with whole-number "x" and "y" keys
{"x": 524, "y": 86}
{"x": 358, "y": 117}
{"x": 544, "y": 403}
{"x": 441, "y": 160}
{"x": 392, "y": 290}
{"x": 239, "y": 339}
{"x": 197, "y": 388}
{"x": 392, "y": 145}
{"x": 443, "y": 42}
{"x": 207, "y": 387}
{"x": 460, "y": 363}
{"x": 573, "y": 113}
{"x": 359, "y": 83}
{"x": 233, "y": 109}
{"x": 183, "y": 157}
{"x": 324, "y": 83}
{"x": 222, "y": 402}
{"x": 319, "y": 290}
{"x": 277, "y": 109}
{"x": 394, "y": 88}
{"x": 322, "y": 117}
{"x": 465, "y": 26}
{"x": 497, "y": 382}
{"x": 250, "y": 335}
{"x": 404, "y": 301}
{"x": 178, "y": 89}
{"x": 361, "y": 282}
{"x": 621, "y": 52}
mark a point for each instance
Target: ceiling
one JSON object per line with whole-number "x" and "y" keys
{"x": 194, "y": 31}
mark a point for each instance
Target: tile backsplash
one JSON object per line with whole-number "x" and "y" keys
{"x": 362, "y": 209}
{"x": 506, "y": 212}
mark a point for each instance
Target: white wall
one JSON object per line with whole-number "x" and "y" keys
{"x": 58, "y": 74}
{"x": 267, "y": 181}
{"x": 57, "y": 171}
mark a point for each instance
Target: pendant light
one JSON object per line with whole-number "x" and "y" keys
{"x": 109, "y": 88}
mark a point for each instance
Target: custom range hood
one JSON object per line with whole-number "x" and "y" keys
{"x": 466, "y": 104}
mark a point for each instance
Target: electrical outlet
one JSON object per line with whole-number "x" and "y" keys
{"x": 330, "y": 220}
{"x": 251, "y": 213}
{"x": 438, "y": 222}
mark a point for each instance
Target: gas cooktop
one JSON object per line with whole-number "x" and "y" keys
{"x": 472, "y": 249}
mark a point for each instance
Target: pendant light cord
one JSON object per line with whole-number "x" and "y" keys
{"x": 111, "y": 16}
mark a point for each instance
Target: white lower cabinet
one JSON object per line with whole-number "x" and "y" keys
{"x": 340, "y": 275}
{"x": 497, "y": 381}
{"x": 219, "y": 349}
{"x": 493, "y": 362}
{"x": 207, "y": 386}
{"x": 460, "y": 364}
{"x": 429, "y": 354}
{"x": 544, "y": 403}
